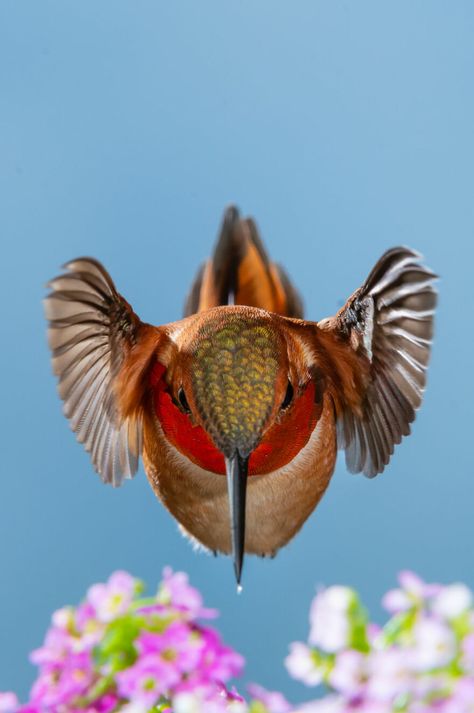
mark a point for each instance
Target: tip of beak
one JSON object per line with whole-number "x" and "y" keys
{"x": 238, "y": 563}
{"x": 240, "y": 589}
{"x": 237, "y": 470}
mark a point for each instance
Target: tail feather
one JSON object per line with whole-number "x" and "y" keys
{"x": 241, "y": 273}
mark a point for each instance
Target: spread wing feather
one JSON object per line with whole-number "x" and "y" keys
{"x": 91, "y": 329}
{"x": 389, "y": 321}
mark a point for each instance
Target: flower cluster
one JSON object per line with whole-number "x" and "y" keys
{"x": 118, "y": 652}
{"x": 421, "y": 661}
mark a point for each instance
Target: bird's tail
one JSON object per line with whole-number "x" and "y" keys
{"x": 240, "y": 272}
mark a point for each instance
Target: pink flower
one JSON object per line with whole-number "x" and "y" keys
{"x": 148, "y": 679}
{"x": 57, "y": 646}
{"x": 58, "y": 685}
{"x": 273, "y": 701}
{"x": 112, "y": 599}
{"x": 106, "y": 703}
{"x": 178, "y": 646}
{"x": 218, "y": 662}
{"x": 176, "y": 591}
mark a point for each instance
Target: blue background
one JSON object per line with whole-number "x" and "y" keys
{"x": 125, "y": 128}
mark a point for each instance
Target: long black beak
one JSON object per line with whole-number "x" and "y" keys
{"x": 237, "y": 471}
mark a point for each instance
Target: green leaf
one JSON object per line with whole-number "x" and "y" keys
{"x": 359, "y": 619}
{"x": 399, "y": 627}
{"x": 117, "y": 647}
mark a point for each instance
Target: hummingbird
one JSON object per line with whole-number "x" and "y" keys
{"x": 239, "y": 408}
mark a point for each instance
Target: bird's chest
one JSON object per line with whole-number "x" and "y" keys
{"x": 278, "y": 503}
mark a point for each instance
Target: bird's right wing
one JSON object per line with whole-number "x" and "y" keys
{"x": 92, "y": 331}
{"x": 388, "y": 325}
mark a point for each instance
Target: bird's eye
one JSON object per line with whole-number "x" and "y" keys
{"x": 183, "y": 400}
{"x": 288, "y": 396}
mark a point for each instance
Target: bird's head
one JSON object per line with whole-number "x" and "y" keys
{"x": 237, "y": 398}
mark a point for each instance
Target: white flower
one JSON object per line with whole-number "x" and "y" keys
{"x": 300, "y": 664}
{"x": 349, "y": 672}
{"x": 452, "y": 601}
{"x": 187, "y": 703}
{"x": 389, "y": 674}
{"x": 435, "y": 644}
{"x": 328, "y": 704}
{"x": 330, "y": 623}
{"x": 134, "y": 708}
{"x": 63, "y": 618}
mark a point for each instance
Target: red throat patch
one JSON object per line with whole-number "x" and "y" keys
{"x": 280, "y": 444}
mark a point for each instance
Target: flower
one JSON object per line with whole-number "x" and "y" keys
{"x": 301, "y": 665}
{"x": 113, "y": 598}
{"x": 389, "y": 675}
{"x": 412, "y": 593}
{"x": 349, "y": 674}
{"x": 115, "y": 653}
{"x": 218, "y": 662}
{"x": 452, "y": 601}
{"x": 176, "y": 591}
{"x": 8, "y": 702}
{"x": 329, "y": 618}
{"x": 328, "y": 704}
{"x": 148, "y": 679}
{"x": 468, "y": 653}
{"x": 434, "y": 644}
{"x": 273, "y": 701}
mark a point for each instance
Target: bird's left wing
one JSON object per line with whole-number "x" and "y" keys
{"x": 92, "y": 331}
{"x": 388, "y": 324}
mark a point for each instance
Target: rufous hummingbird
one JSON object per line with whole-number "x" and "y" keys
{"x": 242, "y": 386}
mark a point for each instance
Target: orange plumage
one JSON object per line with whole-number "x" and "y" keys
{"x": 242, "y": 386}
